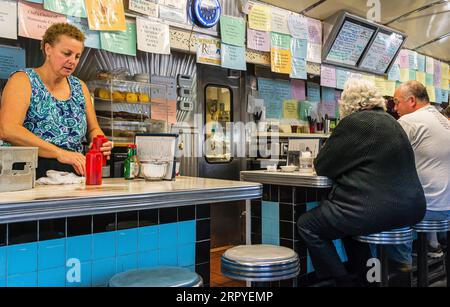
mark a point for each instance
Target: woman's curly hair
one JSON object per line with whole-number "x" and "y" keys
{"x": 54, "y": 31}
{"x": 360, "y": 94}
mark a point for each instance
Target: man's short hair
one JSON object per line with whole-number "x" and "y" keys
{"x": 416, "y": 89}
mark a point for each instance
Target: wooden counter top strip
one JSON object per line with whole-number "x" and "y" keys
{"x": 294, "y": 179}
{"x": 116, "y": 195}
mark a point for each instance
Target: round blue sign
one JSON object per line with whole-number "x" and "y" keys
{"x": 205, "y": 13}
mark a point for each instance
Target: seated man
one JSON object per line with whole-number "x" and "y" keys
{"x": 375, "y": 182}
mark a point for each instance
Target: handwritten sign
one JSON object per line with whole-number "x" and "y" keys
{"x": 144, "y": 7}
{"x": 437, "y": 73}
{"x": 208, "y": 51}
{"x": 298, "y": 26}
{"x": 299, "y": 48}
{"x": 429, "y": 80}
{"x": 258, "y": 40}
{"x": 279, "y": 21}
{"x": 314, "y": 53}
{"x": 328, "y": 108}
{"x": 404, "y": 74}
{"x": 274, "y": 93}
{"x": 382, "y": 52}
{"x": 281, "y": 61}
{"x": 403, "y": 59}
{"x": 280, "y": 41}
{"x": 233, "y": 57}
{"x": 341, "y": 77}
{"x": 298, "y": 69}
{"x": 259, "y": 18}
{"x": 431, "y": 93}
{"x": 11, "y": 60}
{"x": 420, "y": 62}
{"x": 290, "y": 109}
{"x": 328, "y": 76}
{"x": 123, "y": 42}
{"x": 314, "y": 31}
{"x": 313, "y": 91}
{"x": 34, "y": 20}
{"x": 429, "y": 65}
{"x": 420, "y": 77}
{"x": 92, "y": 37}
{"x": 298, "y": 89}
{"x": 8, "y": 19}
{"x": 152, "y": 36}
{"x": 394, "y": 73}
{"x": 232, "y": 30}
{"x": 412, "y": 59}
{"x": 73, "y": 8}
{"x": 106, "y": 15}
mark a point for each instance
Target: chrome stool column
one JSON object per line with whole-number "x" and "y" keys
{"x": 422, "y": 229}
{"x": 260, "y": 263}
{"x": 157, "y": 277}
{"x": 396, "y": 236}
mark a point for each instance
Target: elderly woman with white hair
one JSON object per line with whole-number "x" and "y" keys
{"x": 375, "y": 183}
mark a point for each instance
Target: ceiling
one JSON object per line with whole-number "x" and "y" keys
{"x": 422, "y": 27}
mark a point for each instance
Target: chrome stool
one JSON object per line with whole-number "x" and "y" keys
{"x": 422, "y": 229}
{"x": 157, "y": 277}
{"x": 260, "y": 263}
{"x": 391, "y": 237}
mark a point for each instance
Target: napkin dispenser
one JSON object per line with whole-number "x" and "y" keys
{"x": 17, "y": 168}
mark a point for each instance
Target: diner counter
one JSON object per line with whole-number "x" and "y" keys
{"x": 293, "y": 179}
{"x": 116, "y": 195}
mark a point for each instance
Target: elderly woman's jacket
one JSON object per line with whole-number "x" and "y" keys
{"x": 376, "y": 186}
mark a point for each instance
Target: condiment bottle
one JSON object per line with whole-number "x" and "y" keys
{"x": 131, "y": 164}
{"x": 94, "y": 162}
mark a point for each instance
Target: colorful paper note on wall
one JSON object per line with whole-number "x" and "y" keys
{"x": 444, "y": 97}
{"x": 11, "y": 60}
{"x": 429, "y": 79}
{"x": 412, "y": 59}
{"x": 394, "y": 73}
{"x": 328, "y": 76}
{"x": 328, "y": 108}
{"x": 144, "y": 7}
{"x": 412, "y": 75}
{"x": 438, "y": 95}
{"x": 92, "y": 37}
{"x": 404, "y": 74}
{"x": 290, "y": 109}
{"x": 279, "y": 21}
{"x": 123, "y": 42}
{"x": 233, "y": 57}
{"x": 34, "y": 20}
{"x": 431, "y": 93}
{"x": 8, "y": 19}
{"x": 280, "y": 41}
{"x": 258, "y": 40}
{"x": 298, "y": 69}
{"x": 208, "y": 51}
{"x": 232, "y": 30}
{"x": 328, "y": 94}
{"x": 420, "y": 77}
{"x": 299, "y": 48}
{"x": 106, "y": 15}
{"x": 75, "y": 8}
{"x": 341, "y": 77}
{"x": 437, "y": 77}
{"x": 370, "y": 78}
{"x": 420, "y": 62}
{"x": 314, "y": 53}
{"x": 314, "y": 31}
{"x": 298, "y": 26}
{"x": 313, "y": 91}
{"x": 152, "y": 36}
{"x": 305, "y": 110}
{"x": 429, "y": 65}
{"x": 274, "y": 92}
{"x": 281, "y": 61}
{"x": 403, "y": 58}
{"x": 298, "y": 89}
{"x": 259, "y": 18}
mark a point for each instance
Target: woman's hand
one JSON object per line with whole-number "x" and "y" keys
{"x": 76, "y": 159}
{"x": 107, "y": 148}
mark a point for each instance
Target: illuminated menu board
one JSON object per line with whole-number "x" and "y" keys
{"x": 350, "y": 43}
{"x": 382, "y": 52}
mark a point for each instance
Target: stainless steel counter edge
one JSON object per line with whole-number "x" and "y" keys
{"x": 57, "y": 208}
{"x": 286, "y": 179}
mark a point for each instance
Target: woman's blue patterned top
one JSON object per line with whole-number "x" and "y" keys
{"x": 59, "y": 122}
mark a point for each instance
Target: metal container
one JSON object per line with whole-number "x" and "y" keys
{"x": 17, "y": 168}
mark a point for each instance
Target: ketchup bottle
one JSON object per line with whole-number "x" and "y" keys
{"x": 94, "y": 162}
{"x": 98, "y": 142}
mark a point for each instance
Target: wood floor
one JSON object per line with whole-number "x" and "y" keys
{"x": 217, "y": 279}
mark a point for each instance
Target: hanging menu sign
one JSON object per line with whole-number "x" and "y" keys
{"x": 8, "y": 19}
{"x": 258, "y": 40}
{"x": 144, "y": 7}
{"x": 106, "y": 15}
{"x": 152, "y": 37}
{"x": 350, "y": 43}
{"x": 11, "y": 60}
{"x": 382, "y": 52}
{"x": 73, "y": 8}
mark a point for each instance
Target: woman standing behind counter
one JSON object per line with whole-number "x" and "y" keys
{"x": 48, "y": 108}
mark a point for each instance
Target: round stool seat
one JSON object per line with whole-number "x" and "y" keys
{"x": 157, "y": 277}
{"x": 432, "y": 226}
{"x": 260, "y": 262}
{"x": 396, "y": 236}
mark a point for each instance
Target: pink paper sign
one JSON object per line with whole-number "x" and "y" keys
{"x": 34, "y": 20}
{"x": 258, "y": 40}
{"x": 298, "y": 89}
{"x": 403, "y": 58}
{"x": 328, "y": 76}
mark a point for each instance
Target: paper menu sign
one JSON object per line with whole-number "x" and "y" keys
{"x": 438, "y": 95}
{"x": 290, "y": 109}
{"x": 314, "y": 53}
{"x": 280, "y": 41}
{"x": 8, "y": 19}
{"x": 429, "y": 80}
{"x": 34, "y": 20}
{"x": 144, "y": 7}
{"x": 341, "y": 77}
{"x": 394, "y": 73}
{"x": 299, "y": 48}
{"x": 420, "y": 62}
{"x": 274, "y": 92}
{"x": 233, "y": 57}
{"x": 298, "y": 26}
{"x": 232, "y": 30}
{"x": 178, "y": 4}
{"x": 420, "y": 77}
{"x": 429, "y": 65}
{"x": 11, "y": 60}
{"x": 328, "y": 76}
{"x": 404, "y": 74}
{"x": 313, "y": 91}
{"x": 75, "y": 8}
{"x": 298, "y": 69}
{"x": 281, "y": 61}
{"x": 208, "y": 51}
{"x": 259, "y": 18}
{"x": 279, "y": 21}
{"x": 437, "y": 73}
{"x": 173, "y": 13}
{"x": 298, "y": 89}
{"x": 258, "y": 40}
{"x": 431, "y": 93}
{"x": 328, "y": 108}
{"x": 152, "y": 36}
{"x": 403, "y": 58}
{"x": 123, "y": 42}
{"x": 412, "y": 59}
{"x": 314, "y": 31}
{"x": 106, "y": 15}
{"x": 92, "y": 37}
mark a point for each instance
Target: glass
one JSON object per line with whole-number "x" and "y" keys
{"x": 218, "y": 106}
{"x": 306, "y": 164}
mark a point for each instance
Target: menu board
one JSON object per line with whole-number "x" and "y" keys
{"x": 350, "y": 43}
{"x": 382, "y": 52}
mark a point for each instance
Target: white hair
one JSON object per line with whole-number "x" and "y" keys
{"x": 360, "y": 94}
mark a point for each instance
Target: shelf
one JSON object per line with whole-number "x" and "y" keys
{"x": 287, "y": 135}
{"x": 102, "y": 100}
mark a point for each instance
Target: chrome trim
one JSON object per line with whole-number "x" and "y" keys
{"x": 432, "y": 226}
{"x": 287, "y": 179}
{"x": 399, "y": 236}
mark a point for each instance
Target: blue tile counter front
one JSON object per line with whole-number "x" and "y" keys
{"x": 88, "y": 250}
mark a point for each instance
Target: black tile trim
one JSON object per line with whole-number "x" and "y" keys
{"x": 203, "y": 229}
{"x": 104, "y": 222}
{"x": 203, "y": 211}
{"x": 148, "y": 217}
{"x": 168, "y": 215}
{"x": 22, "y": 232}
{"x": 127, "y": 220}
{"x": 52, "y": 229}
{"x": 79, "y": 225}
{"x": 202, "y": 252}
{"x": 186, "y": 213}
{"x": 3, "y": 234}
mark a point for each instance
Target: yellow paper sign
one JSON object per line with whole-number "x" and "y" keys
{"x": 369, "y": 78}
{"x": 281, "y": 61}
{"x": 431, "y": 93}
{"x": 106, "y": 15}
{"x": 259, "y": 18}
{"x": 290, "y": 109}
{"x": 404, "y": 74}
{"x": 421, "y": 77}
{"x": 386, "y": 87}
{"x": 444, "y": 84}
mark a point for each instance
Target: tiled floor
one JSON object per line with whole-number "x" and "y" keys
{"x": 217, "y": 279}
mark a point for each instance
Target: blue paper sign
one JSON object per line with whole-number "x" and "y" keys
{"x": 233, "y": 57}
{"x": 11, "y": 60}
{"x": 420, "y": 62}
{"x": 298, "y": 69}
{"x": 92, "y": 37}
{"x": 328, "y": 94}
{"x": 341, "y": 77}
{"x": 274, "y": 93}
{"x": 438, "y": 92}
{"x": 313, "y": 92}
{"x": 394, "y": 73}
{"x": 299, "y": 48}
